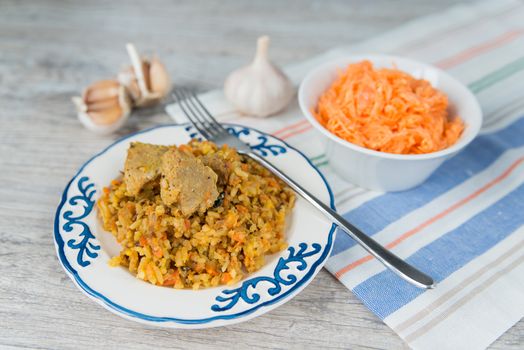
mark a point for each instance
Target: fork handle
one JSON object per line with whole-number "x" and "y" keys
{"x": 386, "y": 257}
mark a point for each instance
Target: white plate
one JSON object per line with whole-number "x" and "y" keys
{"x": 84, "y": 248}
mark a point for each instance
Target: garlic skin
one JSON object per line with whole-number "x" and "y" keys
{"x": 103, "y": 107}
{"x": 147, "y": 81}
{"x": 259, "y": 89}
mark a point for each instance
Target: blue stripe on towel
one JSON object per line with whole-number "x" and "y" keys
{"x": 376, "y": 214}
{"x": 385, "y": 293}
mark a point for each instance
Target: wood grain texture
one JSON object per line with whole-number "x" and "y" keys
{"x": 49, "y": 50}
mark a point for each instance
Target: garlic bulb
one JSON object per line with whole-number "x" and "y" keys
{"x": 103, "y": 107}
{"x": 146, "y": 80}
{"x": 259, "y": 89}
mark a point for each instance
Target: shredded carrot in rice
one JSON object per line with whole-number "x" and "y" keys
{"x": 387, "y": 110}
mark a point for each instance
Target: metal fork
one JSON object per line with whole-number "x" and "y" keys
{"x": 209, "y": 128}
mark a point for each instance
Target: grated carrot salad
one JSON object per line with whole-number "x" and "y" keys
{"x": 387, "y": 110}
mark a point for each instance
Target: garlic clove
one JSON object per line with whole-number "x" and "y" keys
{"x": 147, "y": 74}
{"x": 103, "y": 107}
{"x": 160, "y": 82}
{"x": 101, "y": 90}
{"x": 103, "y": 104}
{"x": 127, "y": 78}
{"x": 146, "y": 80}
{"x": 107, "y": 116}
{"x": 261, "y": 88}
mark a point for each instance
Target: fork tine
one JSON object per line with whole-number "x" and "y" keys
{"x": 197, "y": 114}
{"x": 209, "y": 115}
{"x": 188, "y": 112}
{"x": 204, "y": 116}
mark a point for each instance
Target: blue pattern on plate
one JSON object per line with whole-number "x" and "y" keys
{"x": 238, "y": 131}
{"x": 233, "y": 296}
{"x": 85, "y": 246}
{"x": 262, "y": 147}
{"x": 193, "y": 133}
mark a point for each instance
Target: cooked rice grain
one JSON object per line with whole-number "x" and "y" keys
{"x": 161, "y": 246}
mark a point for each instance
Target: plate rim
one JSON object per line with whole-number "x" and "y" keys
{"x": 127, "y": 313}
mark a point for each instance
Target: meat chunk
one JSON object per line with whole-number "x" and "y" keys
{"x": 218, "y": 164}
{"x": 187, "y": 182}
{"x": 142, "y": 165}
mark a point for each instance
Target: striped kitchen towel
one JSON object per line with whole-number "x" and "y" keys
{"x": 465, "y": 225}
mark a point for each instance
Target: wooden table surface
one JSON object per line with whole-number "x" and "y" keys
{"x": 50, "y": 50}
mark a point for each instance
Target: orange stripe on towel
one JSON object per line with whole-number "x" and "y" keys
{"x": 435, "y": 218}
{"x": 290, "y": 126}
{"x": 477, "y": 50}
{"x": 297, "y": 132}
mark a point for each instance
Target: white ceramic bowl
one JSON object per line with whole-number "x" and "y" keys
{"x": 379, "y": 170}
